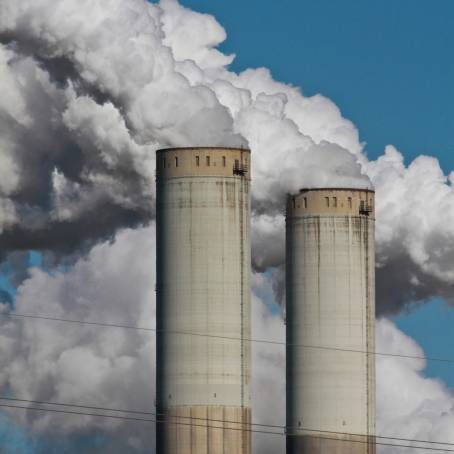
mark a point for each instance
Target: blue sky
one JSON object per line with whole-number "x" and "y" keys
{"x": 386, "y": 64}
{"x": 431, "y": 325}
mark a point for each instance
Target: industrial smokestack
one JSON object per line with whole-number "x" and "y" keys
{"x": 330, "y": 322}
{"x": 203, "y": 301}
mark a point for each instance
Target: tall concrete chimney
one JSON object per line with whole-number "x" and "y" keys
{"x": 330, "y": 304}
{"x": 203, "y": 301}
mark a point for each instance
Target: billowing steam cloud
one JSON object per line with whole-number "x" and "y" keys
{"x": 90, "y": 89}
{"x": 108, "y": 367}
{"x": 94, "y": 98}
{"x": 114, "y": 368}
{"x": 94, "y": 88}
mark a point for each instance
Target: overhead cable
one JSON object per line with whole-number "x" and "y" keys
{"x": 213, "y": 336}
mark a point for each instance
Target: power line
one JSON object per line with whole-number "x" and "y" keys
{"x": 205, "y": 419}
{"x": 133, "y": 418}
{"x": 89, "y": 407}
{"x": 213, "y": 336}
{"x": 119, "y": 410}
{"x": 224, "y": 421}
{"x": 79, "y": 322}
{"x": 158, "y": 421}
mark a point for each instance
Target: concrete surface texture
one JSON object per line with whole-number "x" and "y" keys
{"x": 203, "y": 301}
{"x": 330, "y": 304}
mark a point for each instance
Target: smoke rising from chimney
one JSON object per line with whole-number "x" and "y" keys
{"x": 90, "y": 90}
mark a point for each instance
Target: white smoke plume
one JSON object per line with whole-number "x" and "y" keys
{"x": 133, "y": 78}
{"x": 94, "y": 88}
{"x": 91, "y": 88}
{"x": 83, "y": 364}
{"x": 409, "y": 405}
{"x": 114, "y": 367}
